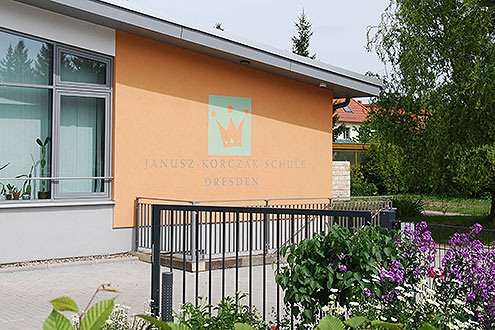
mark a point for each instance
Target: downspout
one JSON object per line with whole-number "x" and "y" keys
{"x": 342, "y": 104}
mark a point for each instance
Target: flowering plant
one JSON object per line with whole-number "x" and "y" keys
{"x": 332, "y": 264}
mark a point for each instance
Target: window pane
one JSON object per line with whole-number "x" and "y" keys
{"x": 23, "y": 60}
{"x": 82, "y": 70}
{"x": 82, "y": 143}
{"x": 25, "y": 116}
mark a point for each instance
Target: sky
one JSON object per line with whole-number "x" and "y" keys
{"x": 339, "y": 26}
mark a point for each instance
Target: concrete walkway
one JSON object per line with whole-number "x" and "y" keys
{"x": 25, "y": 292}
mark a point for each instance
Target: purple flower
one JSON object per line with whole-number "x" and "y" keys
{"x": 342, "y": 268}
{"x": 367, "y": 292}
{"x": 330, "y": 264}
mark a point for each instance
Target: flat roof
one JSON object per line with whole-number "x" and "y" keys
{"x": 343, "y": 83}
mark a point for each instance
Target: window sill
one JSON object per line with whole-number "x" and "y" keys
{"x": 54, "y": 203}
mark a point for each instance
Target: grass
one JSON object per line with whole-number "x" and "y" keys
{"x": 464, "y": 206}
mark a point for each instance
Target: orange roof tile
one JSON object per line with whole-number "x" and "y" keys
{"x": 358, "y": 115}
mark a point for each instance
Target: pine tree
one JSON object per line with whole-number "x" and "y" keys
{"x": 16, "y": 65}
{"x": 300, "y": 42}
{"x": 43, "y": 65}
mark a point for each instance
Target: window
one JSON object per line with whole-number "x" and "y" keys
{"x": 347, "y": 109}
{"x": 55, "y": 108}
{"x": 347, "y": 133}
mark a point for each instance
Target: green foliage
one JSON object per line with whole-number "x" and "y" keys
{"x": 359, "y": 185}
{"x": 43, "y": 164}
{"x": 359, "y": 322}
{"x": 383, "y": 168}
{"x": 408, "y": 207}
{"x": 228, "y": 312}
{"x": 437, "y": 104}
{"x": 300, "y": 42}
{"x": 331, "y": 265}
{"x": 92, "y": 318}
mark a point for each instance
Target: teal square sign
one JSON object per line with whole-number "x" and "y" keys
{"x": 229, "y": 126}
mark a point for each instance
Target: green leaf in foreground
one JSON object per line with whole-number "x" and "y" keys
{"x": 161, "y": 324}
{"x": 330, "y": 323}
{"x": 356, "y": 322}
{"x": 57, "y": 321}
{"x": 391, "y": 326}
{"x": 96, "y": 316}
{"x": 65, "y": 304}
{"x": 242, "y": 326}
{"x": 427, "y": 326}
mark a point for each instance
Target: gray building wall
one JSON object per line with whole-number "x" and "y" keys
{"x": 39, "y": 233}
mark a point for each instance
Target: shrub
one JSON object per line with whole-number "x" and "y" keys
{"x": 383, "y": 168}
{"x": 331, "y": 265}
{"x": 359, "y": 185}
{"x": 408, "y": 207}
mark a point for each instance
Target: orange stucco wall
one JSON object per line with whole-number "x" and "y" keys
{"x": 161, "y": 114}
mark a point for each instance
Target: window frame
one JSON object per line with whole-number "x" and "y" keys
{"x": 56, "y": 194}
{"x": 58, "y": 82}
{"x": 59, "y": 88}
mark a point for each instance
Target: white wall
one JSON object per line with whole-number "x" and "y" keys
{"x": 55, "y": 27}
{"x": 354, "y": 132}
{"x": 39, "y": 233}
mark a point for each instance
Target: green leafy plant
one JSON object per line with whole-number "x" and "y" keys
{"x": 359, "y": 322}
{"x": 408, "y": 207}
{"x": 27, "y": 186}
{"x": 359, "y": 185}
{"x": 91, "y": 318}
{"x": 331, "y": 265}
{"x": 43, "y": 164}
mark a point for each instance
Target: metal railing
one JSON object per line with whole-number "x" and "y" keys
{"x": 233, "y": 246}
{"x": 374, "y": 204}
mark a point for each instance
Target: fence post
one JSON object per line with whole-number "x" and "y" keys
{"x": 155, "y": 260}
{"x": 194, "y": 230}
{"x": 136, "y": 227}
{"x": 387, "y": 219}
{"x": 167, "y": 296}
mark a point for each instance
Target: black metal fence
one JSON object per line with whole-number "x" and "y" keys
{"x": 214, "y": 247}
{"x": 374, "y": 204}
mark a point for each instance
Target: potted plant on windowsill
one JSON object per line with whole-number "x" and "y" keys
{"x": 11, "y": 192}
{"x": 43, "y": 193}
{"x": 27, "y": 187}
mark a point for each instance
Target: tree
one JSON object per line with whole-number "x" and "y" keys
{"x": 43, "y": 64}
{"x": 300, "y": 42}
{"x": 16, "y": 65}
{"x": 438, "y": 101}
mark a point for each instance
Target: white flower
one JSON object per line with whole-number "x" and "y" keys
{"x": 452, "y": 326}
{"x": 383, "y": 318}
{"x": 365, "y": 280}
{"x": 430, "y": 291}
{"x": 459, "y": 323}
{"x": 467, "y": 310}
{"x": 325, "y": 309}
{"x": 332, "y": 297}
{"x": 399, "y": 288}
{"x": 334, "y": 290}
{"x": 393, "y": 319}
{"x": 353, "y": 303}
{"x": 422, "y": 282}
{"x": 206, "y": 325}
{"x": 433, "y": 302}
{"x": 340, "y": 310}
{"x": 459, "y": 302}
{"x": 401, "y": 298}
{"x": 109, "y": 321}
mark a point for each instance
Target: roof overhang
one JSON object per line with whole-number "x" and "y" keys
{"x": 342, "y": 82}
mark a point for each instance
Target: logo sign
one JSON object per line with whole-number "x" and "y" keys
{"x": 229, "y": 126}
